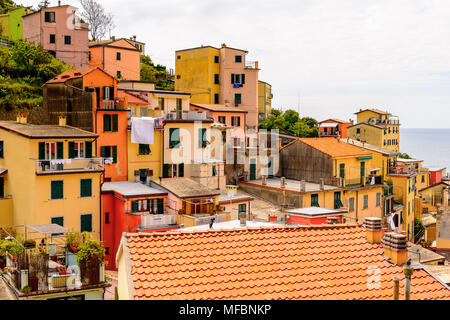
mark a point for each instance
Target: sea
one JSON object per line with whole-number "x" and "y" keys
{"x": 430, "y": 145}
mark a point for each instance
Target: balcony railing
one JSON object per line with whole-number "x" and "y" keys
{"x": 251, "y": 64}
{"x": 154, "y": 220}
{"x": 113, "y": 104}
{"x": 406, "y": 171}
{"x": 201, "y": 219}
{"x": 328, "y": 134}
{"x": 85, "y": 164}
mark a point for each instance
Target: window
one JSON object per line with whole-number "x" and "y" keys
{"x": 118, "y": 56}
{"x": 110, "y": 123}
{"x": 174, "y": 138}
{"x": 179, "y": 57}
{"x": 423, "y": 177}
{"x": 216, "y": 98}
{"x": 108, "y": 93}
{"x": 109, "y": 152}
{"x": 237, "y": 79}
{"x": 119, "y": 74}
{"x": 337, "y": 200}
{"x": 153, "y": 206}
{"x": 50, "y": 16}
{"x": 202, "y": 142}
{"x": 2, "y": 188}
{"x": 143, "y": 112}
{"x": 237, "y": 142}
{"x": 173, "y": 170}
{"x": 86, "y": 223}
{"x": 216, "y": 59}
{"x": 52, "y": 38}
{"x": 59, "y": 221}
{"x": 351, "y": 204}
{"x": 222, "y": 119}
{"x": 90, "y": 56}
{"x": 242, "y": 207}
{"x": 315, "y": 200}
{"x": 77, "y": 150}
{"x": 366, "y": 202}
{"x": 216, "y": 78}
{"x": 144, "y": 149}
{"x": 161, "y": 103}
{"x": 237, "y": 98}
{"x": 51, "y": 150}
{"x": 67, "y": 40}
{"x": 358, "y": 130}
{"x": 2, "y": 154}
{"x": 378, "y": 199}
{"x": 214, "y": 171}
{"x": 57, "y": 190}
{"x": 107, "y": 217}
{"x": 342, "y": 170}
{"x": 107, "y": 250}
{"x": 236, "y": 121}
{"x": 178, "y": 76}
{"x": 179, "y": 107}
{"x": 85, "y": 188}
{"x": 238, "y": 59}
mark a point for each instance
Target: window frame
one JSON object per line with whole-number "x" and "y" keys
{"x": 69, "y": 42}
{"x": 366, "y": 201}
{"x": 51, "y": 190}
{"x": 81, "y": 222}
{"x": 238, "y": 59}
{"x": 81, "y": 188}
{"x": 52, "y": 37}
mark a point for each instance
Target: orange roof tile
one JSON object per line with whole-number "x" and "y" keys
{"x": 333, "y": 147}
{"x": 73, "y": 74}
{"x": 300, "y": 263}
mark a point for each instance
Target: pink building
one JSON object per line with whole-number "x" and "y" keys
{"x": 58, "y": 31}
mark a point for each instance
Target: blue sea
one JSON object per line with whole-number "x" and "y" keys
{"x": 430, "y": 145}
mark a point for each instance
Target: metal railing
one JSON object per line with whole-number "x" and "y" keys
{"x": 153, "y": 220}
{"x": 328, "y": 134}
{"x": 402, "y": 170}
{"x": 250, "y": 64}
{"x": 85, "y": 164}
{"x": 113, "y": 104}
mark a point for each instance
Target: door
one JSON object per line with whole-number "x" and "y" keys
{"x": 2, "y": 188}
{"x": 363, "y": 172}
{"x": 252, "y": 169}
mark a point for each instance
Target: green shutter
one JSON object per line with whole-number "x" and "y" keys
{"x": 41, "y": 150}
{"x": 86, "y": 187}
{"x": 71, "y": 150}
{"x": 86, "y": 223}
{"x": 160, "y": 206}
{"x": 342, "y": 170}
{"x": 57, "y": 190}
{"x": 238, "y": 121}
{"x": 106, "y": 122}
{"x": 60, "y": 150}
{"x": 103, "y": 152}
{"x": 214, "y": 171}
{"x": 378, "y": 199}
{"x": 202, "y": 137}
{"x": 351, "y": 205}
{"x": 88, "y": 149}
{"x": 243, "y": 78}
{"x": 242, "y": 208}
{"x": 315, "y": 200}
{"x": 181, "y": 170}
{"x": 165, "y": 170}
{"x": 366, "y": 201}
{"x": 134, "y": 206}
{"x": 174, "y": 137}
{"x": 2, "y": 188}
{"x": 115, "y": 123}
{"x": 114, "y": 154}
{"x": 232, "y": 78}
{"x": 58, "y": 220}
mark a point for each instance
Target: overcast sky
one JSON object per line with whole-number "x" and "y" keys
{"x": 331, "y": 57}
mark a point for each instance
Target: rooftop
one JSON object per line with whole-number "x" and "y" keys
{"x": 370, "y": 147}
{"x": 335, "y": 120}
{"x": 218, "y": 107}
{"x": 315, "y": 212}
{"x": 333, "y": 147}
{"x": 103, "y": 43}
{"x": 131, "y": 189}
{"x": 34, "y": 131}
{"x": 373, "y": 110}
{"x": 294, "y": 185}
{"x": 186, "y": 188}
{"x": 74, "y": 74}
{"x": 233, "y": 224}
{"x": 419, "y": 254}
{"x": 278, "y": 262}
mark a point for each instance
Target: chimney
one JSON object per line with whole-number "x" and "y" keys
{"x": 283, "y": 182}
{"x": 303, "y": 186}
{"x": 224, "y": 45}
{"x": 322, "y": 184}
{"x": 256, "y": 64}
{"x": 62, "y": 120}
{"x": 399, "y": 248}
{"x": 386, "y": 241}
{"x": 408, "y": 271}
{"x": 134, "y": 38}
{"x": 396, "y": 288}
{"x": 59, "y": 3}
{"x": 373, "y": 229}
{"x": 113, "y": 38}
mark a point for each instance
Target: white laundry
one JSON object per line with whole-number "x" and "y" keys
{"x": 142, "y": 130}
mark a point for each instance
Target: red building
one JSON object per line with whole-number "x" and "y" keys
{"x": 333, "y": 128}
{"x": 313, "y": 215}
{"x": 129, "y": 206}
{"x": 436, "y": 175}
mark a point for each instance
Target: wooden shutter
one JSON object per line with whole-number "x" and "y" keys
{"x": 238, "y": 121}
{"x": 181, "y": 170}
{"x": 71, "y": 150}
{"x": 88, "y": 149}
{"x": 86, "y": 222}
{"x": 60, "y": 150}
{"x": 214, "y": 171}
{"x": 114, "y": 154}
{"x": 58, "y": 220}
{"x": 57, "y": 190}
{"x": 111, "y": 93}
{"x": 104, "y": 92}
{"x": 1, "y": 149}
{"x": 243, "y": 78}
{"x": 115, "y": 123}
{"x": 86, "y": 187}
{"x": 134, "y": 206}
{"x": 232, "y": 78}
{"x": 103, "y": 152}
{"x": 106, "y": 122}
{"x": 160, "y": 206}
{"x": 165, "y": 170}
{"x": 41, "y": 150}
{"x": 174, "y": 137}
{"x": 2, "y": 188}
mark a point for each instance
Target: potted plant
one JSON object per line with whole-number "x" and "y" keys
{"x": 26, "y": 290}
{"x": 29, "y": 244}
{"x": 89, "y": 257}
{"x": 73, "y": 241}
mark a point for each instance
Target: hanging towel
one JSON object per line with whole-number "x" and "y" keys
{"x": 142, "y": 130}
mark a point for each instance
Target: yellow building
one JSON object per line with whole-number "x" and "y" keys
{"x": 264, "y": 100}
{"x": 52, "y": 176}
{"x": 219, "y": 76}
{"x": 377, "y": 128}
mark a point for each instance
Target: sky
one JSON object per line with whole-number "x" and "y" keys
{"x": 325, "y": 58}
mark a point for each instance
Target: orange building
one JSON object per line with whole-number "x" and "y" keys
{"x": 117, "y": 56}
{"x": 93, "y": 91}
{"x": 333, "y": 128}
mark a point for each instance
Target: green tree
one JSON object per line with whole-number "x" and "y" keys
{"x": 290, "y": 122}
{"x": 157, "y": 74}
{"x": 419, "y": 230}
{"x": 5, "y": 5}
{"x": 404, "y": 156}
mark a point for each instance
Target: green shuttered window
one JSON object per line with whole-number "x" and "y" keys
{"x": 351, "y": 204}
{"x": 181, "y": 170}
{"x": 85, "y": 188}
{"x": 378, "y": 199}
{"x": 107, "y": 123}
{"x": 174, "y": 138}
{"x": 315, "y": 200}
{"x": 144, "y": 149}
{"x": 366, "y": 202}
{"x": 88, "y": 149}
{"x": 41, "y": 150}
{"x": 202, "y": 138}
{"x": 243, "y": 207}
{"x": 60, "y": 150}
{"x": 115, "y": 123}
{"x": 57, "y": 189}
{"x": 86, "y": 223}
{"x": 160, "y": 206}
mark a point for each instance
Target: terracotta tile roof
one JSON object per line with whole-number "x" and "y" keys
{"x": 34, "y": 131}
{"x": 335, "y": 120}
{"x": 301, "y": 263}
{"x": 373, "y": 110}
{"x": 73, "y": 74}
{"x": 332, "y": 147}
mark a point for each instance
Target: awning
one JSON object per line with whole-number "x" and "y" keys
{"x": 374, "y": 169}
{"x": 3, "y": 171}
{"x": 329, "y": 125}
{"x": 48, "y": 228}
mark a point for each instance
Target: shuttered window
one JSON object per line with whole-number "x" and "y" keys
{"x": 60, "y": 150}
{"x": 114, "y": 154}
{"x": 351, "y": 204}
{"x": 2, "y": 155}
{"x": 85, "y": 188}
{"x": 135, "y": 206}
{"x": 181, "y": 170}
{"x": 366, "y": 202}
{"x": 2, "y": 188}
{"x": 160, "y": 206}
{"x": 243, "y": 207}
{"x": 107, "y": 123}
{"x": 115, "y": 123}
{"x": 67, "y": 40}
{"x": 41, "y": 150}
{"x": 337, "y": 200}
{"x": 174, "y": 138}
{"x": 166, "y": 170}
{"x": 57, "y": 190}
{"x": 342, "y": 170}
{"x": 86, "y": 223}
{"x": 237, "y": 98}
{"x": 214, "y": 171}
{"x": 378, "y": 199}
{"x": 315, "y": 200}
{"x": 144, "y": 149}
{"x": 88, "y": 149}
{"x": 202, "y": 138}
{"x": 58, "y": 220}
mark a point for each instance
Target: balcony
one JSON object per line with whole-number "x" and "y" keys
{"x": 251, "y": 64}
{"x": 328, "y": 134}
{"x": 201, "y": 219}
{"x": 151, "y": 221}
{"x": 117, "y": 104}
{"x": 70, "y": 165}
{"x": 402, "y": 171}
{"x": 358, "y": 182}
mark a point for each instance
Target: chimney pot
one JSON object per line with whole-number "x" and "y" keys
{"x": 399, "y": 248}
{"x": 373, "y": 229}
{"x": 283, "y": 182}
{"x": 224, "y": 45}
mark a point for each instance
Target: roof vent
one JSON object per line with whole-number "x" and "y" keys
{"x": 65, "y": 76}
{"x": 77, "y": 73}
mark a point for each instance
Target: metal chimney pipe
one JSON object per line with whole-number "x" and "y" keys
{"x": 408, "y": 271}
{"x": 396, "y": 287}
{"x": 243, "y": 219}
